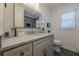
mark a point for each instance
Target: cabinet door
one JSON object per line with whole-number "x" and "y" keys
{"x": 48, "y": 49}
{"x": 12, "y": 52}
{"x": 26, "y": 50}
{"x": 40, "y": 47}
{"x": 8, "y": 17}
{"x": 43, "y": 47}
{"x": 20, "y": 51}
{"x": 1, "y": 17}
{"x": 43, "y": 51}
{"x": 19, "y": 16}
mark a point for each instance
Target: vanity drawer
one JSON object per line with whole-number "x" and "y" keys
{"x": 25, "y": 50}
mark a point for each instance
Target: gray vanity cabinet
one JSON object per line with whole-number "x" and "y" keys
{"x": 40, "y": 47}
{"x": 25, "y": 50}
{"x": 43, "y": 47}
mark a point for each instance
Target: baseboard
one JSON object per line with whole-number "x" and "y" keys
{"x": 69, "y": 48}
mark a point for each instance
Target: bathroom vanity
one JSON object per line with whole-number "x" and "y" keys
{"x": 18, "y": 18}
{"x": 28, "y": 45}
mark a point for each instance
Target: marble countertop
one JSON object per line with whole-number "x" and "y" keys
{"x": 19, "y": 40}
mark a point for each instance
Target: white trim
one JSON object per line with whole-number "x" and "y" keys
{"x": 69, "y": 48}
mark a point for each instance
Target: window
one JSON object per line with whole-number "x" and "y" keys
{"x": 68, "y": 20}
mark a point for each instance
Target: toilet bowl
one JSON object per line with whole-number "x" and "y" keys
{"x": 57, "y": 45}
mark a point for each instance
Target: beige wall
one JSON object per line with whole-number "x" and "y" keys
{"x": 69, "y": 38}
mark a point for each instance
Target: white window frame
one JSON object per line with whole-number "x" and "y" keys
{"x": 73, "y": 28}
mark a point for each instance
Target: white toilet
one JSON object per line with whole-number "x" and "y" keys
{"x": 57, "y": 45}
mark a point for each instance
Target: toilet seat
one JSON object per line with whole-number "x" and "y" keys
{"x": 57, "y": 42}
